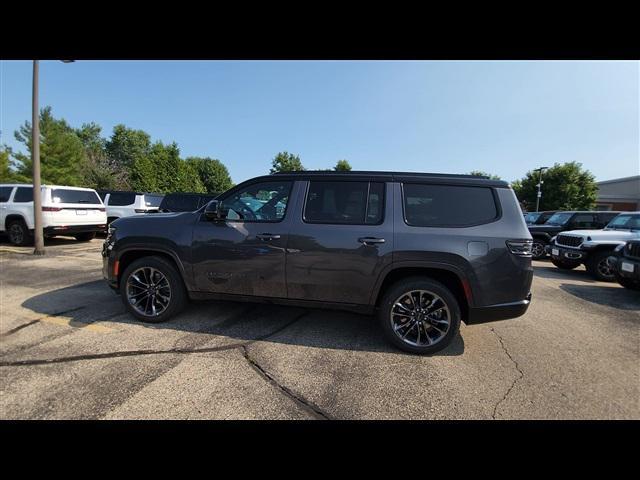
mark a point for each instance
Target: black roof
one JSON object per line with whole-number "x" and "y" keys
{"x": 445, "y": 178}
{"x": 129, "y": 191}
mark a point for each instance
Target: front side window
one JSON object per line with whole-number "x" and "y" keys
{"x": 354, "y": 203}
{"x": 260, "y": 202}
{"x": 23, "y": 195}
{"x": 559, "y": 219}
{"x": 448, "y": 205}
{"x": 62, "y": 195}
{"x": 5, "y": 193}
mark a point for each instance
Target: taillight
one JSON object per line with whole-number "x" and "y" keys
{"x": 521, "y": 248}
{"x": 51, "y": 209}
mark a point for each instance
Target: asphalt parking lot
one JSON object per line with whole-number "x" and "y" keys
{"x": 69, "y": 351}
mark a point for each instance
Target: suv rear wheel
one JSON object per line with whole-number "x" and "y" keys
{"x": 152, "y": 289}
{"x": 598, "y": 267}
{"x": 419, "y": 315}
{"x": 19, "y": 233}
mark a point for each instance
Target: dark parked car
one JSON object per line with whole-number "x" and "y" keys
{"x": 185, "y": 202}
{"x": 563, "y": 221}
{"x": 625, "y": 264}
{"x": 423, "y": 251}
{"x": 538, "y": 218}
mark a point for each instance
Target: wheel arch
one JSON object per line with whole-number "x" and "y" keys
{"x": 13, "y": 217}
{"x": 129, "y": 255}
{"x": 449, "y": 275}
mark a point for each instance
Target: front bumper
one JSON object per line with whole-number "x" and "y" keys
{"x": 567, "y": 254}
{"x": 502, "y": 311}
{"x": 627, "y": 267}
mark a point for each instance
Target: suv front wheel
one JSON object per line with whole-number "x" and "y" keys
{"x": 598, "y": 267}
{"x": 419, "y": 315}
{"x": 152, "y": 289}
{"x": 537, "y": 249}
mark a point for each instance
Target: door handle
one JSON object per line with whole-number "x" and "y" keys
{"x": 268, "y": 236}
{"x": 370, "y": 240}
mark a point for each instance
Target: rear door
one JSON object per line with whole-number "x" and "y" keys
{"x": 5, "y": 194}
{"x": 340, "y": 241}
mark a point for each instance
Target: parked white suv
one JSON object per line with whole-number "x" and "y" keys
{"x": 72, "y": 211}
{"x": 126, "y": 204}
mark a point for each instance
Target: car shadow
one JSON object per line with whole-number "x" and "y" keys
{"x": 610, "y": 296}
{"x": 241, "y": 321}
{"x": 551, "y": 271}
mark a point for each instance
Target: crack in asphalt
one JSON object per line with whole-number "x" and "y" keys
{"x": 32, "y": 322}
{"x": 131, "y": 353}
{"x": 504, "y": 348}
{"x": 305, "y": 404}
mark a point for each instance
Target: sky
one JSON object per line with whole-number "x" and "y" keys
{"x": 502, "y": 117}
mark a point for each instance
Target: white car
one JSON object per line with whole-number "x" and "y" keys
{"x": 593, "y": 247}
{"x": 71, "y": 211}
{"x": 126, "y": 204}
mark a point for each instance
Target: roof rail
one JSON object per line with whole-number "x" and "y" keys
{"x": 373, "y": 172}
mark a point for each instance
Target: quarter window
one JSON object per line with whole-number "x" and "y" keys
{"x": 121, "y": 199}
{"x": 448, "y": 205}
{"x": 354, "y": 203}
{"x": 23, "y": 195}
{"x": 260, "y": 202}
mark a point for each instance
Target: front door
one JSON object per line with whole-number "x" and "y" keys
{"x": 244, "y": 254}
{"x": 342, "y": 241}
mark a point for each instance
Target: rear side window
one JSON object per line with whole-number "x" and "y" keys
{"x": 584, "y": 220}
{"x": 447, "y": 205}
{"x": 5, "y": 193}
{"x": 354, "y": 203}
{"x": 121, "y": 199}
{"x": 23, "y": 194}
{"x": 62, "y": 195}
{"x": 180, "y": 203}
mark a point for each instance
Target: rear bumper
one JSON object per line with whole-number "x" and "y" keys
{"x": 73, "y": 229}
{"x": 494, "y": 313}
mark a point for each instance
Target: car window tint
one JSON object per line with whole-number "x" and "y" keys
{"x": 260, "y": 202}
{"x": 584, "y": 220}
{"x": 62, "y": 195}
{"x": 153, "y": 200}
{"x": 448, "y": 205}
{"x": 121, "y": 199}
{"x": 344, "y": 202}
{"x": 23, "y": 194}
{"x": 5, "y": 193}
{"x": 180, "y": 203}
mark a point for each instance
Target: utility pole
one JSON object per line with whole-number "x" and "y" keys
{"x": 541, "y": 169}
{"x": 35, "y": 160}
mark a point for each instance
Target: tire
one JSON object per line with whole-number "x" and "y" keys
{"x": 85, "y": 237}
{"x": 565, "y": 265}
{"x": 434, "y": 293}
{"x": 19, "y": 234}
{"x": 538, "y": 249}
{"x": 598, "y": 268}
{"x": 132, "y": 290}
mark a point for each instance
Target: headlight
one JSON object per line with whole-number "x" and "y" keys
{"x": 618, "y": 248}
{"x": 553, "y": 240}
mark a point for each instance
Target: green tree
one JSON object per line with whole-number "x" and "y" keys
{"x": 7, "y": 174}
{"x": 480, "y": 173}
{"x": 565, "y": 187}
{"x": 62, "y": 155}
{"x": 189, "y": 178}
{"x": 286, "y": 162}
{"x": 342, "y": 166}
{"x": 212, "y": 173}
{"x": 127, "y": 145}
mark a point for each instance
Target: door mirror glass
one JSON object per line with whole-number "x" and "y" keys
{"x": 214, "y": 211}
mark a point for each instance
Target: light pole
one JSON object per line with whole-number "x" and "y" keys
{"x": 541, "y": 169}
{"x": 35, "y": 160}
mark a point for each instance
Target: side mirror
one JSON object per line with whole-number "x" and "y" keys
{"x": 213, "y": 211}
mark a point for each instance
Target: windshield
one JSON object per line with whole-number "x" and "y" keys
{"x": 531, "y": 218}
{"x": 559, "y": 218}
{"x": 624, "y": 222}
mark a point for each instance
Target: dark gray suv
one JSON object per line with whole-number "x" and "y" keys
{"x": 422, "y": 251}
